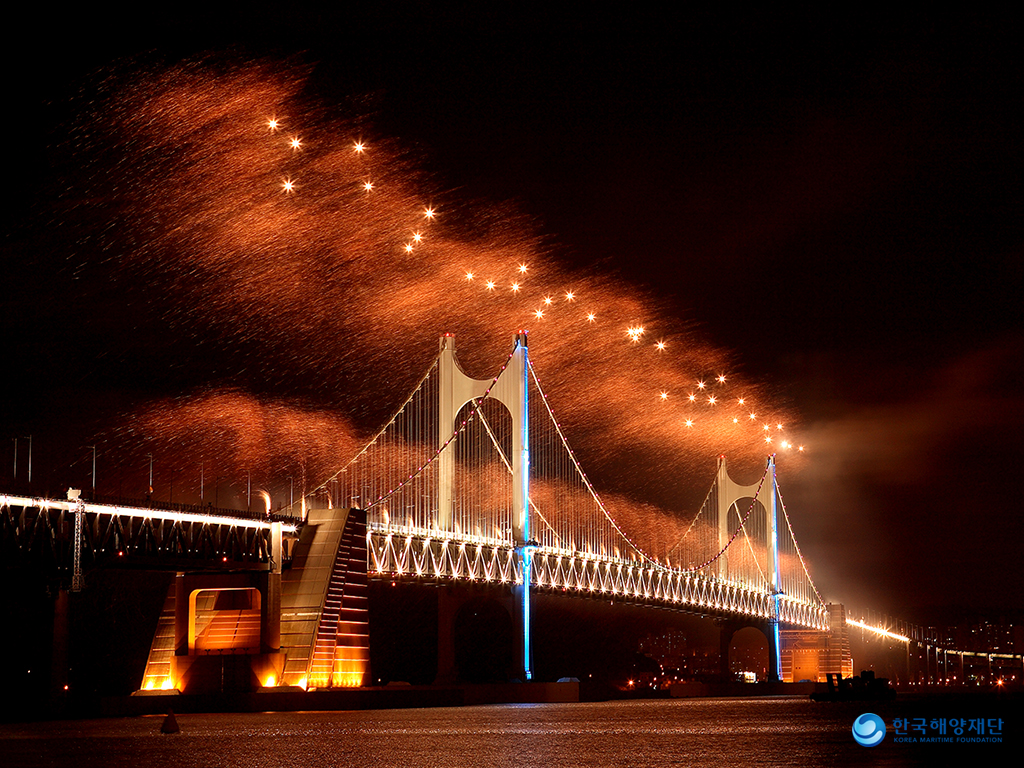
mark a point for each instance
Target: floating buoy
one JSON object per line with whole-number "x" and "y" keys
{"x": 170, "y": 724}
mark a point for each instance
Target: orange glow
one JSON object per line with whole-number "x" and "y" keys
{"x": 664, "y": 395}
{"x": 262, "y": 255}
{"x": 768, "y": 438}
{"x": 635, "y": 332}
{"x": 701, "y": 385}
{"x": 778, "y": 426}
{"x": 692, "y": 397}
{"x": 539, "y": 314}
{"x": 741, "y": 401}
{"x": 753, "y": 416}
{"x": 515, "y": 287}
{"x": 295, "y": 143}
{"x": 766, "y": 427}
{"x": 689, "y": 422}
{"x": 270, "y": 682}
{"x": 712, "y": 400}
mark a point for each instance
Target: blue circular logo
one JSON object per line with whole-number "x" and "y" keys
{"x": 868, "y": 729}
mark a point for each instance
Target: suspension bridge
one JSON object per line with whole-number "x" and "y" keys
{"x": 471, "y": 481}
{"x": 474, "y": 480}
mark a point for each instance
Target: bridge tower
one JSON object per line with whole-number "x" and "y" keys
{"x": 511, "y": 389}
{"x": 729, "y": 492}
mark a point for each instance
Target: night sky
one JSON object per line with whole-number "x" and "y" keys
{"x": 833, "y": 203}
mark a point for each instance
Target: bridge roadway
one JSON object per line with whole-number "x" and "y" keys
{"x": 169, "y": 538}
{"x": 403, "y": 552}
{"x": 76, "y": 533}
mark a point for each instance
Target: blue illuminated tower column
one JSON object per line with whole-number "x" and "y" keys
{"x": 521, "y": 498}
{"x": 774, "y": 642}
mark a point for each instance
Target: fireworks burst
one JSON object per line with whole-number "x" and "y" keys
{"x": 321, "y": 267}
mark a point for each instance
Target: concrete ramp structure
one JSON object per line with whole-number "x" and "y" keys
{"x": 325, "y": 632}
{"x": 305, "y": 625}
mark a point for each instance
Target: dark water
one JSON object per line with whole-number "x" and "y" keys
{"x": 699, "y": 732}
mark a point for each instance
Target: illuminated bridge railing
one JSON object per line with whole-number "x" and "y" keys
{"x": 405, "y": 552}
{"x": 56, "y": 531}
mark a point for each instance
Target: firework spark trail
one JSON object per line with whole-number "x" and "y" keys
{"x": 323, "y": 263}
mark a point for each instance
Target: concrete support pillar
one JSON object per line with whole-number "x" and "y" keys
{"x": 270, "y": 612}
{"x": 59, "y": 650}
{"x": 447, "y": 607}
{"x": 181, "y": 616}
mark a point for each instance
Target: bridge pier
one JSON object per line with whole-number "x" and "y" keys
{"x": 247, "y": 653}
{"x": 59, "y": 651}
{"x": 463, "y": 609}
{"x": 447, "y": 608}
